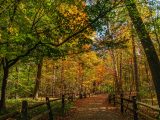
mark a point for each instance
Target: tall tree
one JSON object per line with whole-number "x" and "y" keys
{"x": 135, "y": 76}
{"x": 147, "y": 44}
{"x": 38, "y": 78}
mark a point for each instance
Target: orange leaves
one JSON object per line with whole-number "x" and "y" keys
{"x": 86, "y": 47}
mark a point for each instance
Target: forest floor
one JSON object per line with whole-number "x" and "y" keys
{"x": 94, "y": 108}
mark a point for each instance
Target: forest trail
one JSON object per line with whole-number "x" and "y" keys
{"x": 94, "y": 108}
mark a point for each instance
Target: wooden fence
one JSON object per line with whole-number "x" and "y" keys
{"x": 24, "y": 113}
{"x": 138, "y": 109}
{"x": 25, "y": 109}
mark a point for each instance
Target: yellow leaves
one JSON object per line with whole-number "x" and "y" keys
{"x": 87, "y": 83}
{"x": 28, "y": 19}
{"x": 67, "y": 9}
{"x": 144, "y": 11}
{"x": 90, "y": 58}
{"x": 12, "y": 30}
{"x": 22, "y": 7}
{"x": 109, "y": 82}
{"x": 73, "y": 14}
{"x": 123, "y": 32}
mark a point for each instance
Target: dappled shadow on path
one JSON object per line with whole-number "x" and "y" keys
{"x": 94, "y": 108}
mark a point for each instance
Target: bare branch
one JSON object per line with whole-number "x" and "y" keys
{"x": 35, "y": 17}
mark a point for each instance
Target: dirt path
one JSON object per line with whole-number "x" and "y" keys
{"x": 94, "y": 108}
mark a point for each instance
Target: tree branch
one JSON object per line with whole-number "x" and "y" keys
{"x": 101, "y": 15}
{"x": 16, "y": 2}
{"x": 15, "y": 60}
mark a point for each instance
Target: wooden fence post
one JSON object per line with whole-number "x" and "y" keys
{"x": 24, "y": 110}
{"x": 72, "y": 97}
{"x": 80, "y": 96}
{"x": 122, "y": 109}
{"x": 135, "y": 114}
{"x": 49, "y": 108}
{"x": 63, "y": 104}
{"x": 84, "y": 95}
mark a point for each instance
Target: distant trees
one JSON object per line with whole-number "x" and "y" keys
{"x": 119, "y": 29}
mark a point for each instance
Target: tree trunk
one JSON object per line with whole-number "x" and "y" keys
{"x": 135, "y": 75}
{"x": 16, "y": 84}
{"x": 4, "y": 84}
{"x": 38, "y": 79}
{"x": 149, "y": 83}
{"x": 54, "y": 80}
{"x": 147, "y": 44}
{"x": 120, "y": 74}
{"x": 94, "y": 87}
{"x": 62, "y": 78}
{"x": 115, "y": 71}
{"x": 115, "y": 67}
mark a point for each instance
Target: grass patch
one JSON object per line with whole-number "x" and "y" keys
{"x": 58, "y": 110}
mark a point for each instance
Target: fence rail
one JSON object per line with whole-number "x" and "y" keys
{"x": 25, "y": 108}
{"x": 134, "y": 106}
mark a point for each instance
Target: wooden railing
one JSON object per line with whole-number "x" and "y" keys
{"x": 24, "y": 113}
{"x": 134, "y": 107}
{"x": 25, "y": 108}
